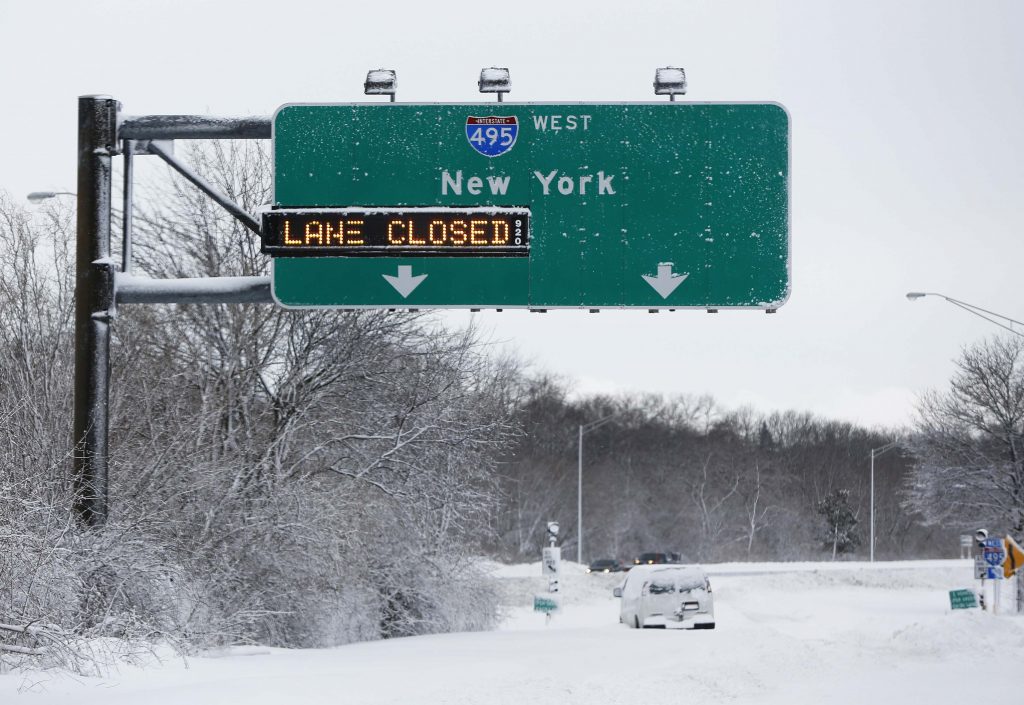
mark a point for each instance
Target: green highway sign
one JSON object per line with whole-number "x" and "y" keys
{"x": 545, "y": 603}
{"x": 533, "y": 205}
{"x": 962, "y": 599}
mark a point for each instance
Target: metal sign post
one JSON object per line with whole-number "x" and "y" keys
{"x": 550, "y": 566}
{"x": 551, "y": 558}
{"x": 993, "y": 553}
{"x": 94, "y": 304}
{"x": 551, "y": 561}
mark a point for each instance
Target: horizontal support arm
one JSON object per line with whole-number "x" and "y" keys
{"x": 131, "y": 289}
{"x": 193, "y": 127}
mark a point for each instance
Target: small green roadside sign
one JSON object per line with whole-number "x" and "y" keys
{"x": 545, "y": 603}
{"x": 579, "y": 205}
{"x": 962, "y": 599}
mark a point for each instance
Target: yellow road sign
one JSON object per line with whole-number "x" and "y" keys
{"x": 1014, "y": 557}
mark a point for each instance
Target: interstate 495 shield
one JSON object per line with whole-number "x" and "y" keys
{"x": 503, "y": 205}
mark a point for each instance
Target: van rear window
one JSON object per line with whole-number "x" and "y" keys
{"x": 662, "y": 587}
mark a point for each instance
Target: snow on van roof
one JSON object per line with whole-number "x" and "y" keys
{"x": 676, "y": 571}
{"x": 657, "y": 567}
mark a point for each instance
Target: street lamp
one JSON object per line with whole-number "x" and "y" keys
{"x": 670, "y": 81}
{"x": 971, "y": 308}
{"x": 495, "y": 80}
{"x": 40, "y": 196}
{"x": 381, "y": 82}
{"x": 37, "y": 197}
{"x": 875, "y": 452}
{"x": 584, "y": 428}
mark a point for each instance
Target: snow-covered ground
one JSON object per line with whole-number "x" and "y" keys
{"x": 787, "y": 633}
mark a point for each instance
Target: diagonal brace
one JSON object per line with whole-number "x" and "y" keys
{"x": 226, "y": 203}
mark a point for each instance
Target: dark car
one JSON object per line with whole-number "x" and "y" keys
{"x": 605, "y": 565}
{"x": 656, "y": 558}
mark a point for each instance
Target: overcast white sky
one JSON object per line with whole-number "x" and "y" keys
{"x": 907, "y": 173}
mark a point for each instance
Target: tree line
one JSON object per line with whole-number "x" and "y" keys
{"x": 684, "y": 475}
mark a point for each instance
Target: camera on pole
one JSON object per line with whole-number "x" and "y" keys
{"x": 552, "y": 532}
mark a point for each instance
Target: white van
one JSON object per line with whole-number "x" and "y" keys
{"x": 670, "y": 596}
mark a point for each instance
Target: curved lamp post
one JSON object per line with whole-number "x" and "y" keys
{"x": 978, "y": 311}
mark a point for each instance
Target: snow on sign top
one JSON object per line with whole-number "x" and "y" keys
{"x": 650, "y": 206}
{"x": 495, "y": 80}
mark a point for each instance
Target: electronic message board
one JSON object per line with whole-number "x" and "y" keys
{"x": 580, "y": 205}
{"x": 384, "y": 232}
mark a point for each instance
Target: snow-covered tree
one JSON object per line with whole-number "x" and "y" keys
{"x": 969, "y": 446}
{"x": 840, "y": 534}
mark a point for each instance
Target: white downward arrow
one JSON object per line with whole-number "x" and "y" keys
{"x": 665, "y": 282}
{"x": 405, "y": 283}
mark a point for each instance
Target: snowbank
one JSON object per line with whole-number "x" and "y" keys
{"x": 842, "y": 634}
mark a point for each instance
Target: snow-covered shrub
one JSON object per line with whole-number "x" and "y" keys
{"x": 268, "y": 468}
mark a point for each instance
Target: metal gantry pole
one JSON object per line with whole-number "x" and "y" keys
{"x": 94, "y": 301}
{"x": 98, "y": 284}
